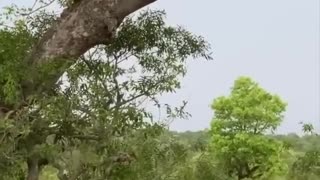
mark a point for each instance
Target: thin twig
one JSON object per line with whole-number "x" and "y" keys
{"x": 37, "y": 9}
{"x": 34, "y": 4}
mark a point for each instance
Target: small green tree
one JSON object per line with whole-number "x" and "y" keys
{"x": 238, "y": 127}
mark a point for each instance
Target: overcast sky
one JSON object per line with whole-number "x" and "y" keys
{"x": 275, "y": 42}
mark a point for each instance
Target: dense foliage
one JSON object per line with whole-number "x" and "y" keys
{"x": 96, "y": 122}
{"x": 238, "y": 130}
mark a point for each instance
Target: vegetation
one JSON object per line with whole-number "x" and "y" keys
{"x": 93, "y": 122}
{"x": 238, "y": 131}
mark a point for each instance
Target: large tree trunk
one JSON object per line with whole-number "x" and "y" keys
{"x": 82, "y": 26}
{"x": 35, "y": 166}
{"x": 79, "y": 28}
{"x": 33, "y": 169}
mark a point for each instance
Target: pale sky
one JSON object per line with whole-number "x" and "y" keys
{"x": 275, "y": 42}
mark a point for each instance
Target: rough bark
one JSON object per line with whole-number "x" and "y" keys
{"x": 82, "y": 26}
{"x": 79, "y": 28}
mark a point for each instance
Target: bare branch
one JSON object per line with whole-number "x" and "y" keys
{"x": 37, "y": 9}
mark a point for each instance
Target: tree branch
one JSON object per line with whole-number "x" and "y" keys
{"x": 89, "y": 23}
{"x": 125, "y": 7}
{"x": 80, "y": 27}
{"x": 39, "y": 8}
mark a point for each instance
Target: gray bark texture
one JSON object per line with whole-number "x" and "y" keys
{"x": 82, "y": 26}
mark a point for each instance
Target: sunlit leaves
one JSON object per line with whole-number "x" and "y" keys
{"x": 238, "y": 130}
{"x": 248, "y": 108}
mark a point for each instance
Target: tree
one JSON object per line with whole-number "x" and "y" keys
{"x": 62, "y": 40}
{"x": 307, "y": 164}
{"x": 82, "y": 25}
{"x": 86, "y": 128}
{"x": 239, "y": 126}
